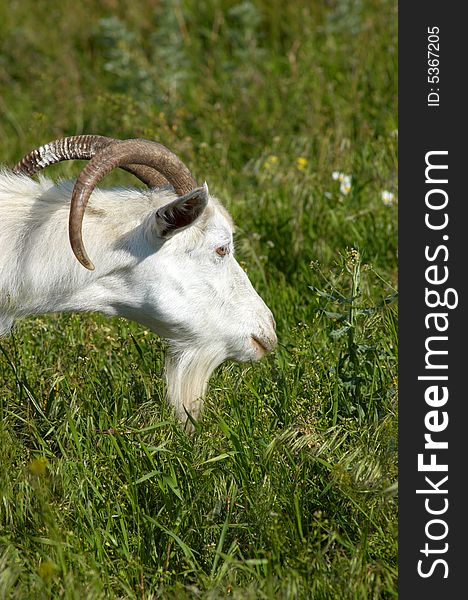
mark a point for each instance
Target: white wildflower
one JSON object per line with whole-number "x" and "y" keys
{"x": 388, "y": 198}
{"x": 345, "y": 185}
{"x": 345, "y": 181}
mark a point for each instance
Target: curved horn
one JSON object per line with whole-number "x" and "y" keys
{"x": 129, "y": 152}
{"x": 81, "y": 147}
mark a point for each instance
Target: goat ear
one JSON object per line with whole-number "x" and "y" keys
{"x": 181, "y": 212}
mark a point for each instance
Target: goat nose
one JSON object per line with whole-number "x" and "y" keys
{"x": 273, "y": 336}
{"x": 265, "y": 334}
{"x": 273, "y": 339}
{"x": 265, "y": 343}
{"x": 269, "y": 336}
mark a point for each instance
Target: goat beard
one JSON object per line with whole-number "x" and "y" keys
{"x": 188, "y": 371}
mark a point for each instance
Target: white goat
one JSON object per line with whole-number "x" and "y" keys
{"x": 164, "y": 257}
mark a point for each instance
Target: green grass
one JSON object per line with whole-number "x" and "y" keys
{"x": 288, "y": 487}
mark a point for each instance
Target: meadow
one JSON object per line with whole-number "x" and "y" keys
{"x": 288, "y": 488}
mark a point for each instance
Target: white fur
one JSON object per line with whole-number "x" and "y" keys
{"x": 179, "y": 287}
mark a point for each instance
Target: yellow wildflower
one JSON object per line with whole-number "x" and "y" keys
{"x": 301, "y": 163}
{"x": 270, "y": 162}
{"x": 47, "y": 570}
{"x": 38, "y": 466}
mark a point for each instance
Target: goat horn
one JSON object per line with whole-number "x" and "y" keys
{"x": 81, "y": 147}
{"x": 128, "y": 152}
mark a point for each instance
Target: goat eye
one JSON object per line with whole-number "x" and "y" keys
{"x": 222, "y": 250}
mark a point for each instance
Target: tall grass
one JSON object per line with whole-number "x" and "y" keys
{"x": 288, "y": 487}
